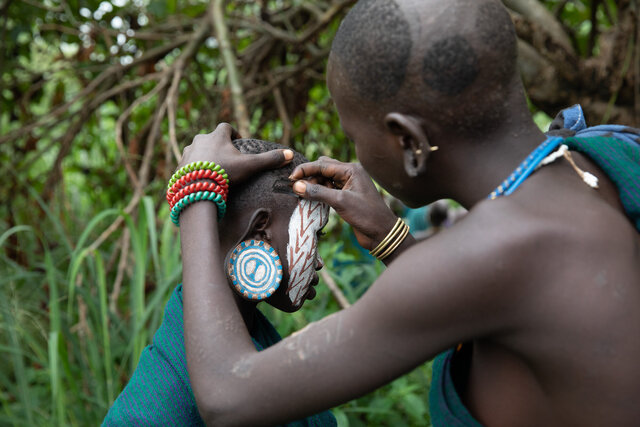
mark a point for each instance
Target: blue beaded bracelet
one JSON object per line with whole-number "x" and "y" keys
{"x": 196, "y": 197}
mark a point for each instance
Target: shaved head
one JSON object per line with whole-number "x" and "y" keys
{"x": 453, "y": 61}
{"x": 374, "y": 45}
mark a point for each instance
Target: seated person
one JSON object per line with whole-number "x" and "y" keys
{"x": 259, "y": 214}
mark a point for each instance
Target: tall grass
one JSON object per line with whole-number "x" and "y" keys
{"x": 68, "y": 353}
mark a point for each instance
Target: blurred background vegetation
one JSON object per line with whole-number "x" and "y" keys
{"x": 97, "y": 99}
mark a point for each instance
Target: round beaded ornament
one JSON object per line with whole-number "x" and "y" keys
{"x": 255, "y": 269}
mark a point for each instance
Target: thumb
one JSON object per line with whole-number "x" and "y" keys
{"x": 320, "y": 193}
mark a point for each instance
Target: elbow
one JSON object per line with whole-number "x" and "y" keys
{"x": 220, "y": 408}
{"x": 210, "y": 414}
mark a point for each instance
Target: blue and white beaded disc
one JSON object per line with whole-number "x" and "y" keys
{"x": 255, "y": 269}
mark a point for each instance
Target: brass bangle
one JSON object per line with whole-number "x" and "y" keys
{"x": 396, "y": 243}
{"x": 387, "y": 238}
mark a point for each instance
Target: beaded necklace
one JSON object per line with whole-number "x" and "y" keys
{"x": 526, "y": 168}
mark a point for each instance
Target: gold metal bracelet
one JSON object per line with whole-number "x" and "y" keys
{"x": 396, "y": 243}
{"x": 387, "y": 238}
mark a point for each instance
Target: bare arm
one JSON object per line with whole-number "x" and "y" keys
{"x": 422, "y": 304}
{"x": 435, "y": 294}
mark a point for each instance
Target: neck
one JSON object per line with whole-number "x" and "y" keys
{"x": 481, "y": 164}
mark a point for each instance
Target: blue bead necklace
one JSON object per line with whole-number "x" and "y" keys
{"x": 526, "y": 168}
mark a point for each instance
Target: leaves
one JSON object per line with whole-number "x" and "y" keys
{"x": 82, "y": 289}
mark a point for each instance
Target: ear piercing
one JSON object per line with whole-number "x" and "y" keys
{"x": 431, "y": 149}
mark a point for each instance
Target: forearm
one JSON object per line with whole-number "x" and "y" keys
{"x": 215, "y": 333}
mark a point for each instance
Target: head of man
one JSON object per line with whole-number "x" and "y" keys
{"x": 407, "y": 75}
{"x": 257, "y": 210}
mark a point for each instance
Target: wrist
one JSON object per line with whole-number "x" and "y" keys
{"x": 383, "y": 231}
{"x": 393, "y": 239}
{"x": 195, "y": 182}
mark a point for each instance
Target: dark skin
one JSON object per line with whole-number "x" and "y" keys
{"x": 543, "y": 283}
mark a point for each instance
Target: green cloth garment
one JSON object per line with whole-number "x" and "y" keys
{"x": 620, "y": 160}
{"x": 159, "y": 392}
{"x": 445, "y": 407}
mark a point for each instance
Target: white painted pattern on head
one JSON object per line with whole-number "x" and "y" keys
{"x": 307, "y": 219}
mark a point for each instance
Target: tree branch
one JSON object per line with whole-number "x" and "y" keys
{"x": 237, "y": 94}
{"x": 537, "y": 13}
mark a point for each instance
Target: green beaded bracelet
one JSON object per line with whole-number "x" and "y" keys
{"x": 197, "y": 166}
{"x": 196, "y": 197}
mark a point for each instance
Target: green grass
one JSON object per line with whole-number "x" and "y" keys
{"x": 67, "y": 354}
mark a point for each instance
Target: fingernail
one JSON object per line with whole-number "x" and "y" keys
{"x": 299, "y": 187}
{"x": 288, "y": 155}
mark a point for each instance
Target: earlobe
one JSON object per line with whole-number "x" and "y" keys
{"x": 253, "y": 266}
{"x": 413, "y": 141}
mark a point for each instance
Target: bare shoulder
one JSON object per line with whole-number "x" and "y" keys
{"x": 575, "y": 227}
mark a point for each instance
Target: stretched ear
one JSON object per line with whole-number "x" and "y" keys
{"x": 413, "y": 140}
{"x": 259, "y": 226}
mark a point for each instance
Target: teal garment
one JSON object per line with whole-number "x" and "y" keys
{"x": 620, "y": 160}
{"x": 445, "y": 407}
{"x": 159, "y": 392}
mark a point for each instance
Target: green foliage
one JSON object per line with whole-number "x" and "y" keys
{"x": 75, "y": 314}
{"x": 69, "y": 353}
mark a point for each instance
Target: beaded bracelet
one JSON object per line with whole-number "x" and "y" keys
{"x": 196, "y": 176}
{"x": 392, "y": 240}
{"x": 194, "y": 188}
{"x": 172, "y": 194}
{"x": 195, "y": 166}
{"x": 196, "y": 197}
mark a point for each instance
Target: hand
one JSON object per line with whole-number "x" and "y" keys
{"x": 348, "y": 189}
{"x": 216, "y": 147}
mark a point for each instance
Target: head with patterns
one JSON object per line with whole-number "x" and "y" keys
{"x": 262, "y": 209}
{"x": 407, "y": 75}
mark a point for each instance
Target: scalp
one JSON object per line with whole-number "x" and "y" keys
{"x": 454, "y": 60}
{"x": 258, "y": 191}
{"x": 374, "y": 44}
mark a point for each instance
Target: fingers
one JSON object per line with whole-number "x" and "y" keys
{"x": 325, "y": 167}
{"x": 269, "y": 160}
{"x": 320, "y": 193}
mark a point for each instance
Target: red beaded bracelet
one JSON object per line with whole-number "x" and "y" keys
{"x": 194, "y": 176}
{"x": 172, "y": 198}
{"x": 196, "y": 187}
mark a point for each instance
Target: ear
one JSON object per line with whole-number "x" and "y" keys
{"x": 413, "y": 139}
{"x": 259, "y": 226}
